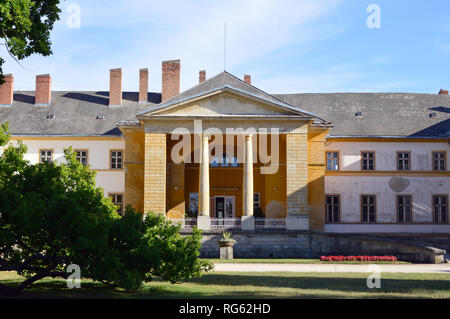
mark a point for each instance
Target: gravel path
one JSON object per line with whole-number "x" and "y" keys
{"x": 402, "y": 268}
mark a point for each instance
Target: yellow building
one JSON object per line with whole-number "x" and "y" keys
{"x": 261, "y": 153}
{"x": 225, "y": 154}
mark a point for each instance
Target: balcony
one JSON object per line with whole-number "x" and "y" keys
{"x": 221, "y": 224}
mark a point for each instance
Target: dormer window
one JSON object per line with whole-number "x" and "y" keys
{"x": 51, "y": 117}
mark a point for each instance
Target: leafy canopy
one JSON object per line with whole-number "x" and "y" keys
{"x": 25, "y": 26}
{"x": 53, "y": 215}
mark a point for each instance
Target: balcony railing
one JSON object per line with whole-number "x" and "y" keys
{"x": 186, "y": 223}
{"x": 261, "y": 224}
{"x": 225, "y": 223}
{"x": 270, "y": 223}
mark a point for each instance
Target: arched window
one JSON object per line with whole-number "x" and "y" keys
{"x": 226, "y": 161}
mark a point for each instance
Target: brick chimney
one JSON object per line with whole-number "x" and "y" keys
{"x": 443, "y": 92}
{"x": 43, "y": 92}
{"x": 143, "y": 85}
{"x": 170, "y": 79}
{"x": 248, "y": 79}
{"x": 201, "y": 76}
{"x": 115, "y": 87}
{"x": 6, "y": 90}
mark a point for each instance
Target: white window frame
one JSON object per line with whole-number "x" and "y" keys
{"x": 113, "y": 159}
{"x": 47, "y": 157}
{"x": 79, "y": 156}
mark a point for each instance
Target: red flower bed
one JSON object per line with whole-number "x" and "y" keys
{"x": 358, "y": 258}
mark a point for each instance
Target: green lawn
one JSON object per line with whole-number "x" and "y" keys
{"x": 258, "y": 285}
{"x": 296, "y": 261}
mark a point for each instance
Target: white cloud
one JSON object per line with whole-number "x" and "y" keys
{"x": 138, "y": 33}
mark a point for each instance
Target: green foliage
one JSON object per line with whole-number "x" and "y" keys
{"x": 53, "y": 215}
{"x": 4, "y": 134}
{"x": 227, "y": 236}
{"x": 25, "y": 26}
{"x": 153, "y": 247}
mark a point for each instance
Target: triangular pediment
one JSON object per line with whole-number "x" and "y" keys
{"x": 224, "y": 103}
{"x": 224, "y": 95}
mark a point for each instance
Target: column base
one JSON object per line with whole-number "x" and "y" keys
{"x": 204, "y": 222}
{"x": 297, "y": 222}
{"x": 248, "y": 223}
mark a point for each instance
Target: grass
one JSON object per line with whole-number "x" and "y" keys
{"x": 296, "y": 261}
{"x": 256, "y": 285}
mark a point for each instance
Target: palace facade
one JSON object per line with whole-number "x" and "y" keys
{"x": 225, "y": 154}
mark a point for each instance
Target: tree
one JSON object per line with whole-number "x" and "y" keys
{"x": 53, "y": 215}
{"x": 25, "y": 26}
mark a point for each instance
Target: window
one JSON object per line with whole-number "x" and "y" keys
{"x": 332, "y": 208}
{"x": 82, "y": 156}
{"x": 45, "y": 156}
{"x": 403, "y": 161}
{"x": 116, "y": 159}
{"x": 367, "y": 161}
{"x": 256, "y": 200}
{"x": 225, "y": 162}
{"x": 440, "y": 209}
{"x": 117, "y": 199}
{"x": 193, "y": 203}
{"x": 404, "y": 208}
{"x": 439, "y": 159}
{"x": 333, "y": 161}
{"x": 368, "y": 208}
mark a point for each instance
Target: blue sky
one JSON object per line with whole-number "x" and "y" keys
{"x": 287, "y": 46}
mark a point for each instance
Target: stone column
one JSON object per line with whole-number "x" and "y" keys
{"x": 248, "y": 220}
{"x": 204, "y": 219}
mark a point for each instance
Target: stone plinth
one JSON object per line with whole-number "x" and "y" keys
{"x": 226, "y": 252}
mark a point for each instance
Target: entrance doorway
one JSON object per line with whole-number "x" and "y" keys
{"x": 224, "y": 207}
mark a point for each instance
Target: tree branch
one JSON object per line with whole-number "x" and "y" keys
{"x": 15, "y": 291}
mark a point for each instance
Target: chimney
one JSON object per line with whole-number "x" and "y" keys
{"x": 443, "y": 92}
{"x": 115, "y": 87}
{"x": 248, "y": 79}
{"x": 201, "y": 76}
{"x": 143, "y": 85}
{"x": 43, "y": 92}
{"x": 6, "y": 90}
{"x": 170, "y": 79}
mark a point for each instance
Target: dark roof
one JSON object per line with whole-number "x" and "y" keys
{"x": 383, "y": 114}
{"x": 75, "y": 113}
{"x": 221, "y": 81}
